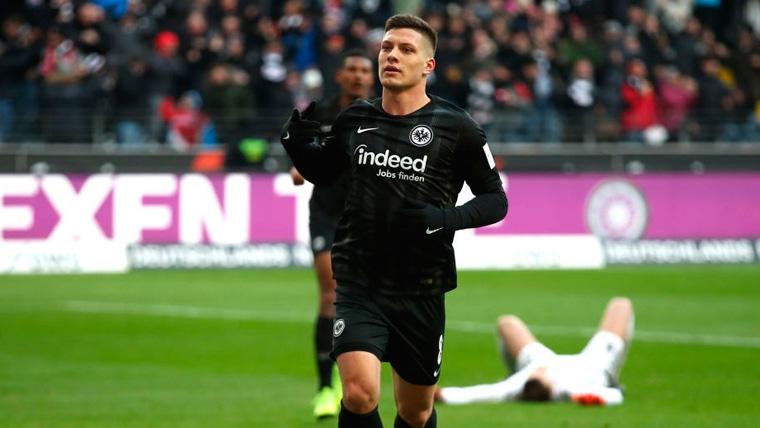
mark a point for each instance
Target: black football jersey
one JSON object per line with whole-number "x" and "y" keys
{"x": 329, "y": 198}
{"x": 427, "y": 156}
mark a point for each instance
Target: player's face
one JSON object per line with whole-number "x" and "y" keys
{"x": 541, "y": 374}
{"x": 355, "y": 77}
{"x": 405, "y": 59}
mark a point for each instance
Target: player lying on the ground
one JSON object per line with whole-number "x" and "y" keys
{"x": 539, "y": 374}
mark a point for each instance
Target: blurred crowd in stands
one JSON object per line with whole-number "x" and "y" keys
{"x": 207, "y": 72}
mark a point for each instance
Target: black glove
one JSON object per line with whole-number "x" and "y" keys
{"x": 298, "y": 129}
{"x": 418, "y": 217}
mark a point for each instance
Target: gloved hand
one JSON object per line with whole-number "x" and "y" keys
{"x": 299, "y": 129}
{"x": 419, "y": 217}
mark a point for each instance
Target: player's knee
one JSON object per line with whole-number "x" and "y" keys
{"x": 621, "y": 304}
{"x": 414, "y": 416}
{"x": 509, "y": 322}
{"x": 359, "y": 398}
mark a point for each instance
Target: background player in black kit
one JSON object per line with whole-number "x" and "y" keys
{"x": 408, "y": 155}
{"x": 355, "y": 79}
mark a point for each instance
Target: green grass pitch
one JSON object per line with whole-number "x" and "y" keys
{"x": 233, "y": 348}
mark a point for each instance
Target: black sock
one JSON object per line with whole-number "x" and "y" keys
{"x": 323, "y": 346}
{"x": 348, "y": 419}
{"x": 432, "y": 421}
{"x": 400, "y": 423}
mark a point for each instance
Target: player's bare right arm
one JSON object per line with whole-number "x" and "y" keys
{"x": 319, "y": 160}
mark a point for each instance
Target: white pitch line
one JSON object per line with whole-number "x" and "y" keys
{"x": 183, "y": 311}
{"x": 639, "y": 335}
{"x": 179, "y": 311}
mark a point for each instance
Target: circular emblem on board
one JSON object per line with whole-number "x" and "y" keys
{"x": 616, "y": 209}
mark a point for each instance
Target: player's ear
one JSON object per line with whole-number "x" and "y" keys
{"x": 429, "y": 66}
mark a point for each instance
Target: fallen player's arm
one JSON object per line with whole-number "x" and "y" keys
{"x": 506, "y": 390}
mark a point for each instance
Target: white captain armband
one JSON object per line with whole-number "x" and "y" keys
{"x": 489, "y": 156}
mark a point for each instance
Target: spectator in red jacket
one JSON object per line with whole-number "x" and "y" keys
{"x": 637, "y": 93}
{"x": 187, "y": 125}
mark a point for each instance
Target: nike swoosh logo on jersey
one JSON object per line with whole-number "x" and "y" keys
{"x": 361, "y": 131}
{"x": 287, "y": 136}
{"x": 430, "y": 232}
{"x": 435, "y": 373}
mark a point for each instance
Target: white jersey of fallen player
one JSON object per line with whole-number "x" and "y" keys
{"x": 591, "y": 373}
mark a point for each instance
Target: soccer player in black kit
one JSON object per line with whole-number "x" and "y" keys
{"x": 407, "y": 154}
{"x": 355, "y": 79}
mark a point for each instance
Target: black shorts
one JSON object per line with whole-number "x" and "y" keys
{"x": 322, "y": 230}
{"x": 407, "y": 332}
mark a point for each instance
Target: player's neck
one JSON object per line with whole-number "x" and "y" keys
{"x": 403, "y": 102}
{"x": 345, "y": 100}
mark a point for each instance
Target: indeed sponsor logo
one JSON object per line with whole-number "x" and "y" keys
{"x": 386, "y": 159}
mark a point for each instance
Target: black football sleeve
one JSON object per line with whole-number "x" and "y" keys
{"x": 321, "y": 161}
{"x": 476, "y": 167}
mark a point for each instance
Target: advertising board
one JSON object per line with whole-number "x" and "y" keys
{"x": 109, "y": 222}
